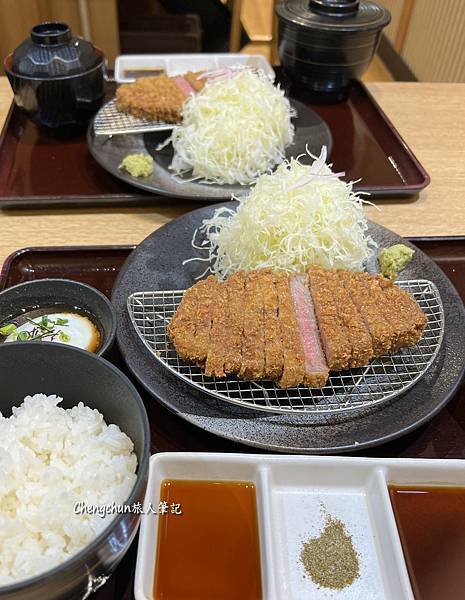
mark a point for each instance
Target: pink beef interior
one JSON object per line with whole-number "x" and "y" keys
{"x": 184, "y": 86}
{"x": 305, "y": 312}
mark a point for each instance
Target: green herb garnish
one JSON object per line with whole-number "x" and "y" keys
{"x": 43, "y": 328}
{"x": 41, "y": 324}
{"x": 8, "y": 329}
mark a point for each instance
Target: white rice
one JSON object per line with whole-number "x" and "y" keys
{"x": 51, "y": 459}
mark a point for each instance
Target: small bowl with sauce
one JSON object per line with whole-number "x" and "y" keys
{"x": 203, "y": 531}
{"x": 57, "y": 310}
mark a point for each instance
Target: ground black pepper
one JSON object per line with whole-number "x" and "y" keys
{"x": 330, "y": 559}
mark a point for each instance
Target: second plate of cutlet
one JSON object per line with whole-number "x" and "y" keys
{"x": 310, "y": 132}
{"x": 157, "y": 265}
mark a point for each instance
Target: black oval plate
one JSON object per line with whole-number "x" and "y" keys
{"x": 310, "y": 130}
{"x": 156, "y": 264}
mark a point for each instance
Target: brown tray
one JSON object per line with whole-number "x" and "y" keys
{"x": 442, "y": 437}
{"x": 37, "y": 168}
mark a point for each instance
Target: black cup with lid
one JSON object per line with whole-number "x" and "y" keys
{"x": 325, "y": 44}
{"x": 57, "y": 79}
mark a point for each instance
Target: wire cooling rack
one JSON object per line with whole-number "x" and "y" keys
{"x": 111, "y": 121}
{"x": 383, "y": 379}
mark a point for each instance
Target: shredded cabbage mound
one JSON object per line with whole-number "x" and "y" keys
{"x": 236, "y": 128}
{"x": 296, "y": 217}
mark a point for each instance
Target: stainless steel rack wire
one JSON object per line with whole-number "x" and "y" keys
{"x": 111, "y": 121}
{"x": 382, "y": 380}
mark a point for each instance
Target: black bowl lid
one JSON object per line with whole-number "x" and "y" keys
{"x": 336, "y": 15}
{"x": 52, "y": 52}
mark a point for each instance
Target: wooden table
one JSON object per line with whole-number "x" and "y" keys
{"x": 430, "y": 116}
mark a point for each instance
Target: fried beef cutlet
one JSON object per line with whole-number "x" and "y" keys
{"x": 203, "y": 321}
{"x": 235, "y": 287}
{"x": 358, "y": 334}
{"x": 196, "y": 80}
{"x": 181, "y": 328}
{"x": 274, "y": 358}
{"x": 192, "y": 342}
{"x": 385, "y": 308}
{"x": 293, "y": 329}
{"x": 158, "y": 98}
{"x": 334, "y": 334}
{"x": 293, "y": 355}
{"x": 253, "y": 334}
{"x": 368, "y": 309}
{"x": 214, "y": 365}
{"x": 411, "y": 318}
{"x": 152, "y": 98}
{"x": 315, "y": 368}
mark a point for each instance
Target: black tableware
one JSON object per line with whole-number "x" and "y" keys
{"x": 311, "y": 132}
{"x": 157, "y": 264}
{"x": 57, "y": 79}
{"x": 78, "y": 376}
{"x": 65, "y": 293}
{"x": 325, "y": 44}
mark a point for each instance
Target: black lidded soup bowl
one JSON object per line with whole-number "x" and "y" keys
{"x": 325, "y": 44}
{"x": 78, "y": 376}
{"x": 58, "y": 80}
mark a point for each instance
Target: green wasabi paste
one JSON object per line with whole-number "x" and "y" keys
{"x": 394, "y": 259}
{"x": 137, "y": 165}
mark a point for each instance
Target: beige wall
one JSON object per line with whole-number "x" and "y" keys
{"x": 430, "y": 37}
{"x": 18, "y": 16}
{"x": 434, "y": 47}
{"x": 395, "y": 7}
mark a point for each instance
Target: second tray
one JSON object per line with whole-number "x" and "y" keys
{"x": 29, "y": 155}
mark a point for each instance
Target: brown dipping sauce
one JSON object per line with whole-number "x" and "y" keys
{"x": 211, "y": 551}
{"x": 136, "y": 73}
{"x": 431, "y": 524}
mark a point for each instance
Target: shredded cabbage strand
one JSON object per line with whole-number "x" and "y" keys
{"x": 236, "y": 128}
{"x": 298, "y": 216}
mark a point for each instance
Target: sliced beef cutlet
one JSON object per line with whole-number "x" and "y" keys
{"x": 385, "y": 308}
{"x": 235, "y": 287}
{"x": 293, "y": 329}
{"x": 158, "y": 98}
{"x": 253, "y": 335}
{"x": 274, "y": 358}
{"x": 368, "y": 308}
{"x": 196, "y": 80}
{"x": 152, "y": 98}
{"x": 192, "y": 341}
{"x": 315, "y": 368}
{"x": 404, "y": 317}
{"x": 357, "y": 330}
{"x": 293, "y": 355}
{"x": 334, "y": 334}
{"x": 217, "y": 348}
{"x": 203, "y": 322}
{"x": 182, "y": 326}
{"x": 412, "y": 320}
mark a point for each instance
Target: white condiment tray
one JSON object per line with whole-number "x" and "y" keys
{"x": 176, "y": 64}
{"x": 290, "y": 493}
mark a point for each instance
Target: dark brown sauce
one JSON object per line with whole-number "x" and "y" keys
{"x": 431, "y": 524}
{"x": 212, "y": 550}
{"x": 136, "y": 73}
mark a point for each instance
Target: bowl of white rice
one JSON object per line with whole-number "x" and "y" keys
{"x": 74, "y": 452}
